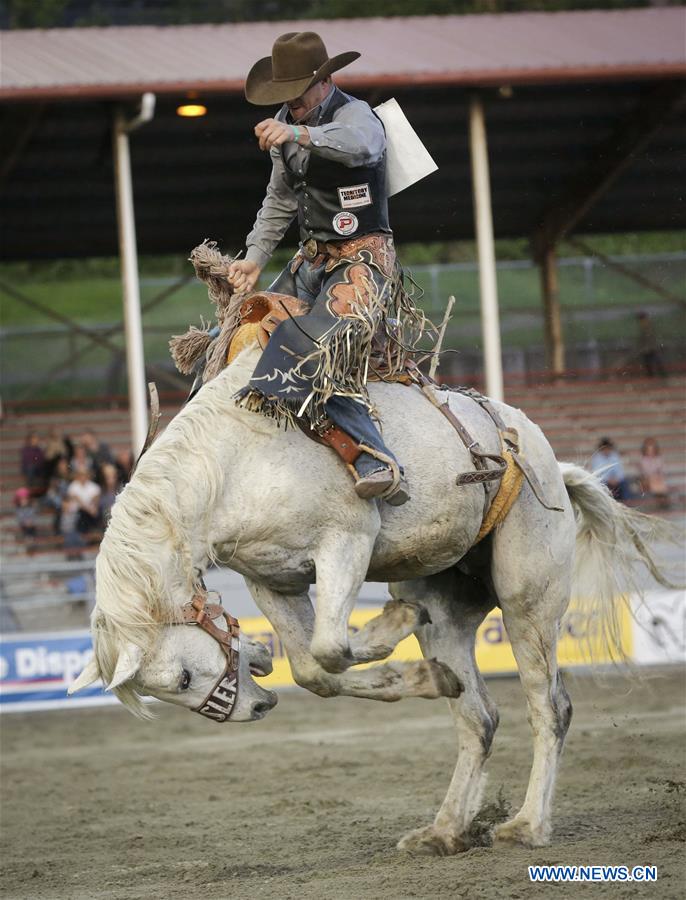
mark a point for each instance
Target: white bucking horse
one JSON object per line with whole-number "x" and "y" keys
{"x": 225, "y": 485}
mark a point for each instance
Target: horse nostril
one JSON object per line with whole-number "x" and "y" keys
{"x": 263, "y": 706}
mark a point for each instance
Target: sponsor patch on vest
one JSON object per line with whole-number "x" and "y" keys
{"x": 345, "y": 223}
{"x": 354, "y": 196}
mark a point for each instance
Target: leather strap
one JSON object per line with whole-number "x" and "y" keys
{"x": 195, "y": 612}
{"x": 512, "y": 445}
{"x": 199, "y": 612}
{"x": 342, "y": 443}
{"x": 332, "y": 436}
{"x": 219, "y": 703}
{"x": 483, "y": 473}
{"x": 378, "y": 245}
{"x": 509, "y": 436}
{"x": 155, "y": 415}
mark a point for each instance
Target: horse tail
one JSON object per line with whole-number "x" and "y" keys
{"x": 612, "y": 545}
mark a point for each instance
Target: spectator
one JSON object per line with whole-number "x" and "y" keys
{"x": 99, "y": 453}
{"x": 55, "y": 450}
{"x": 33, "y": 462}
{"x": 69, "y": 517}
{"x": 124, "y": 464}
{"x": 81, "y": 462}
{"x": 607, "y": 464}
{"x": 648, "y": 346}
{"x": 651, "y": 466}
{"x": 86, "y": 495}
{"x": 110, "y": 488}
{"x": 26, "y": 514}
{"x": 57, "y": 491}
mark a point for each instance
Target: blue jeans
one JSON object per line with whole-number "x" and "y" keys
{"x": 311, "y": 284}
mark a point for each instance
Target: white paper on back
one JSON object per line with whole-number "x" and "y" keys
{"x": 407, "y": 159}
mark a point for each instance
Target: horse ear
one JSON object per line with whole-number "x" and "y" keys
{"x": 128, "y": 663}
{"x": 90, "y": 674}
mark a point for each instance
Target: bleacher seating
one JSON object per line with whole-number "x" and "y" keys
{"x": 574, "y": 416}
{"x": 112, "y": 427}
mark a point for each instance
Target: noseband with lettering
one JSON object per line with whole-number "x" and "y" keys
{"x": 219, "y": 703}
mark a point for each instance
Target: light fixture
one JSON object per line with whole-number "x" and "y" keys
{"x": 191, "y": 110}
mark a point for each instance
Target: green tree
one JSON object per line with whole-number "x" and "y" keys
{"x": 66, "y": 13}
{"x": 36, "y": 13}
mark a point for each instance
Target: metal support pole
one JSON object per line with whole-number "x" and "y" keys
{"x": 129, "y": 268}
{"x": 483, "y": 216}
{"x": 554, "y": 339}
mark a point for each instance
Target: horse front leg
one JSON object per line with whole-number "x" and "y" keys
{"x": 341, "y": 566}
{"x": 292, "y": 617}
{"x": 341, "y": 562}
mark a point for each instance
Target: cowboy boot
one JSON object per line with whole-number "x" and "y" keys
{"x": 378, "y": 471}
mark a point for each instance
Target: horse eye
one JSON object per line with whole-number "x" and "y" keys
{"x": 185, "y": 680}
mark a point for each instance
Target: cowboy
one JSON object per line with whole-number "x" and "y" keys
{"x": 328, "y": 153}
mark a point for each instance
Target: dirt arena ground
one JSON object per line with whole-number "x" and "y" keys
{"x": 309, "y": 803}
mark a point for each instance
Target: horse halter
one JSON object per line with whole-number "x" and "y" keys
{"x": 219, "y": 703}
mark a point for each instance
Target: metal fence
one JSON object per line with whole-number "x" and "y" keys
{"x": 45, "y": 594}
{"x": 599, "y": 306}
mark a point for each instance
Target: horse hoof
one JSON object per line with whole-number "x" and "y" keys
{"x": 519, "y": 833}
{"x": 429, "y": 841}
{"x": 451, "y": 686}
{"x": 435, "y": 679}
{"x": 423, "y": 618}
{"x": 333, "y": 658}
{"x": 405, "y": 616}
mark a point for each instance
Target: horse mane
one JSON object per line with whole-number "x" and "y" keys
{"x": 145, "y": 563}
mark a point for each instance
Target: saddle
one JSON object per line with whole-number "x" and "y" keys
{"x": 260, "y": 315}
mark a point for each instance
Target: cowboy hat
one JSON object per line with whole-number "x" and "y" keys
{"x": 299, "y": 60}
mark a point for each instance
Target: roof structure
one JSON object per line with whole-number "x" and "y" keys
{"x": 563, "y": 92}
{"x": 519, "y": 48}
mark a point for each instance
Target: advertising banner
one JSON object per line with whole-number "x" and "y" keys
{"x": 36, "y": 669}
{"x": 579, "y": 640}
{"x": 660, "y": 632}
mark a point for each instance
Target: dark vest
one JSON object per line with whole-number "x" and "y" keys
{"x": 336, "y": 202}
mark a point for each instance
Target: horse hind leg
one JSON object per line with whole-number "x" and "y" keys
{"x": 532, "y": 614}
{"x": 380, "y": 636}
{"x": 549, "y": 713}
{"x": 457, "y": 604}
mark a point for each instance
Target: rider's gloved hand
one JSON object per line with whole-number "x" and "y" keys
{"x": 243, "y": 275}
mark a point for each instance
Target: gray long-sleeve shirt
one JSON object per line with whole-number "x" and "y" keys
{"x": 355, "y": 137}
